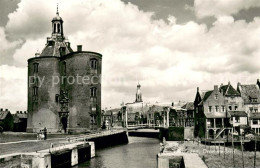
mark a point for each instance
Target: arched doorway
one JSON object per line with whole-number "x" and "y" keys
{"x": 64, "y": 123}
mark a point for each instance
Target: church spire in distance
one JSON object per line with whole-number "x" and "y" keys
{"x": 138, "y": 94}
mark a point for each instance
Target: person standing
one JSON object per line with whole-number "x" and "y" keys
{"x": 45, "y": 133}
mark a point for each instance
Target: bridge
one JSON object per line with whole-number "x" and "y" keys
{"x": 142, "y": 126}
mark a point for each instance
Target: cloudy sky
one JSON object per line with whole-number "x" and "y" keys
{"x": 169, "y": 46}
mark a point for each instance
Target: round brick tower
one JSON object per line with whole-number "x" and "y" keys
{"x": 64, "y": 87}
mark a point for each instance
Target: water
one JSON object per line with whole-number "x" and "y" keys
{"x": 138, "y": 153}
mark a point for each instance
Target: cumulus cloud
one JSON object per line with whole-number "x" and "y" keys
{"x": 168, "y": 59}
{"x": 204, "y": 8}
{"x": 13, "y": 90}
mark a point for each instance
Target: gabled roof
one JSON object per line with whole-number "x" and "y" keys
{"x": 217, "y": 115}
{"x": 3, "y": 114}
{"x": 249, "y": 92}
{"x": 206, "y": 95}
{"x": 228, "y": 90}
{"x": 188, "y": 106}
{"x": 237, "y": 113}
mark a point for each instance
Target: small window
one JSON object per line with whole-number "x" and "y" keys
{"x": 35, "y": 91}
{"x": 35, "y": 67}
{"x": 230, "y": 107}
{"x": 255, "y": 122}
{"x": 256, "y": 110}
{"x": 216, "y": 96}
{"x": 210, "y": 108}
{"x": 237, "y": 119}
{"x": 216, "y": 108}
{"x": 223, "y": 108}
{"x": 251, "y": 109}
{"x": 235, "y": 107}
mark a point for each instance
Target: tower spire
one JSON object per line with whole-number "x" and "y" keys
{"x": 57, "y": 9}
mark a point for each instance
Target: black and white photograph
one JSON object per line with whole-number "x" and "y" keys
{"x": 130, "y": 83}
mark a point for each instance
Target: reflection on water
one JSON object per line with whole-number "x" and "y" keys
{"x": 138, "y": 153}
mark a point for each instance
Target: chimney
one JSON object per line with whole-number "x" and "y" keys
{"x": 1, "y": 109}
{"x": 79, "y": 48}
{"x": 17, "y": 112}
{"x": 215, "y": 88}
{"x": 172, "y": 104}
{"x": 6, "y": 109}
{"x": 221, "y": 85}
{"x": 24, "y": 112}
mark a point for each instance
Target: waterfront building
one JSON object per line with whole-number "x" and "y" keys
{"x": 64, "y": 86}
{"x": 250, "y": 94}
{"x": 216, "y": 118}
{"x": 238, "y": 120}
{"x": 254, "y": 123}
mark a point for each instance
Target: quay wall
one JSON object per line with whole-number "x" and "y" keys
{"x": 62, "y": 156}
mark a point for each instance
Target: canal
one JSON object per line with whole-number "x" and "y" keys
{"x": 138, "y": 153}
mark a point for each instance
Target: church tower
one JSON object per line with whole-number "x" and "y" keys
{"x": 138, "y": 94}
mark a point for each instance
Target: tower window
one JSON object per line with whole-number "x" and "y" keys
{"x": 54, "y": 28}
{"x": 35, "y": 91}
{"x": 35, "y": 67}
{"x": 216, "y": 96}
{"x": 57, "y": 98}
{"x": 93, "y": 63}
{"x": 64, "y": 68}
{"x": 93, "y": 92}
{"x": 58, "y": 28}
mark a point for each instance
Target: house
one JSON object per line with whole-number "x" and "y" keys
{"x": 238, "y": 120}
{"x": 250, "y": 94}
{"x": 177, "y": 117}
{"x": 199, "y": 117}
{"x": 212, "y": 110}
{"x": 254, "y": 122}
{"x": 189, "y": 107}
{"x": 155, "y": 115}
{"x": 6, "y": 120}
{"x": 20, "y": 121}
